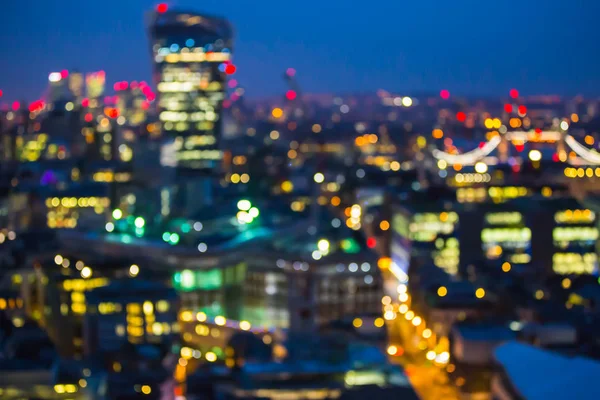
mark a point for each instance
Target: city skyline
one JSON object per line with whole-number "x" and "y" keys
{"x": 408, "y": 48}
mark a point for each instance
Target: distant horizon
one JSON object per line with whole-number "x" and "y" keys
{"x": 470, "y": 48}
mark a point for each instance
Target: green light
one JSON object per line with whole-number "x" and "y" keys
{"x": 174, "y": 238}
{"x": 244, "y": 205}
{"x": 110, "y": 227}
{"x": 139, "y": 232}
{"x": 166, "y": 236}
{"x": 139, "y": 222}
{"x": 350, "y": 246}
{"x": 185, "y": 228}
{"x": 254, "y": 212}
{"x": 117, "y": 214}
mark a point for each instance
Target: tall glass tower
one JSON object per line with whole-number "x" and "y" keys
{"x": 191, "y": 54}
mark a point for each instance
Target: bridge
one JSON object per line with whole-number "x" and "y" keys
{"x": 501, "y": 142}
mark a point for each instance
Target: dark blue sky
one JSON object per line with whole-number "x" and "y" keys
{"x": 467, "y": 46}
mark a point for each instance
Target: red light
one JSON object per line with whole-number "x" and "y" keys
{"x": 514, "y": 93}
{"x": 290, "y": 72}
{"x": 555, "y": 157}
{"x": 89, "y": 117}
{"x": 101, "y": 74}
{"x": 16, "y": 105}
{"x": 520, "y": 147}
{"x": 145, "y": 105}
{"x": 117, "y": 86}
{"x": 1, "y": 93}
{"x": 508, "y": 108}
{"x": 444, "y": 94}
{"x": 230, "y": 69}
{"x": 522, "y": 110}
{"x": 538, "y": 130}
{"x": 162, "y": 8}
{"x": 226, "y": 103}
{"x": 371, "y": 242}
{"x": 291, "y": 95}
{"x": 234, "y": 97}
{"x": 516, "y": 168}
{"x": 64, "y": 74}
{"x": 85, "y": 102}
{"x": 461, "y": 116}
{"x": 134, "y": 85}
{"x": 111, "y": 112}
{"x": 151, "y": 97}
{"x": 481, "y": 145}
{"x": 37, "y": 105}
{"x": 232, "y": 83}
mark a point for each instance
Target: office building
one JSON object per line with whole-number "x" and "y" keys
{"x": 192, "y": 58}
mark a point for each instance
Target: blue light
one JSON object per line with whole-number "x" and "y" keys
{"x": 222, "y": 67}
{"x": 208, "y": 47}
{"x": 443, "y": 173}
{"x": 190, "y": 43}
{"x": 174, "y": 48}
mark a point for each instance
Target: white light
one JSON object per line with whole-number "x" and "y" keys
{"x": 319, "y": 177}
{"x": 360, "y": 173}
{"x": 69, "y": 106}
{"x": 316, "y": 255}
{"x": 323, "y": 245}
{"x": 197, "y": 226}
{"x": 202, "y": 247}
{"x": 110, "y": 227}
{"x": 344, "y": 109}
{"x": 244, "y": 205}
{"x": 134, "y": 270}
{"x": 54, "y": 77}
{"x": 86, "y": 272}
{"x": 535, "y": 155}
{"x": 481, "y": 167}
{"x": 564, "y": 125}
{"x": 407, "y": 101}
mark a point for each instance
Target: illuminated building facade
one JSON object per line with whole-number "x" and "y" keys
{"x": 426, "y": 235}
{"x": 191, "y": 55}
{"x": 129, "y": 311}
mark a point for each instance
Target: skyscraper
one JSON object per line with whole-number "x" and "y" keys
{"x": 192, "y": 58}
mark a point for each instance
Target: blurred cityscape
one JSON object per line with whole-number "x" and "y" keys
{"x": 176, "y": 240}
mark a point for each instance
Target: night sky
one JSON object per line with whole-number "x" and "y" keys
{"x": 467, "y": 46}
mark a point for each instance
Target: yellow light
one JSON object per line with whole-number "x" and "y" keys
{"x": 407, "y": 101}
{"x": 539, "y": 294}
{"x": 403, "y": 297}
{"x": 59, "y": 388}
{"x": 148, "y": 307}
{"x": 574, "y": 117}
{"x": 417, "y": 321}
{"x": 481, "y": 167}
{"x": 235, "y": 178}
{"x": 323, "y": 245}
{"x": 186, "y": 316}
{"x": 379, "y": 322}
{"x": 58, "y": 259}
{"x": 480, "y": 293}
{"x": 535, "y": 155}
{"x": 357, "y": 322}
{"x": 442, "y": 291}
{"x": 146, "y": 389}
{"x": 82, "y": 382}
{"x": 201, "y": 317}
{"x": 210, "y": 356}
{"x": 489, "y": 123}
{"x": 392, "y": 350}
{"x": 319, "y": 177}
{"x": 566, "y": 283}
{"x": 245, "y": 325}
{"x": 403, "y": 309}
{"x": 287, "y": 186}
{"x": 430, "y": 355}
{"x": 442, "y": 164}
{"x": 134, "y": 270}
{"x": 506, "y": 267}
{"x": 409, "y": 315}
{"x": 427, "y": 333}
{"x": 116, "y": 366}
{"x": 421, "y": 142}
{"x": 274, "y": 135}
{"x": 316, "y": 128}
{"x": 277, "y": 112}
{"x": 385, "y": 300}
{"x": 384, "y": 225}
{"x": 220, "y": 320}
{"x": 384, "y": 262}
{"x": 186, "y": 352}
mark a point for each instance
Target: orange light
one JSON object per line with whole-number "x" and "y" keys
{"x": 277, "y": 112}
